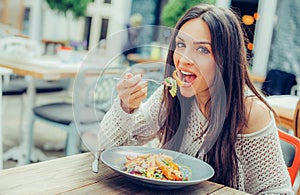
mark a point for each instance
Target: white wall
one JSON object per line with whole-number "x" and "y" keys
{"x": 117, "y": 24}
{"x": 263, "y": 36}
{"x": 117, "y": 12}
{"x": 57, "y": 27}
{"x": 223, "y": 3}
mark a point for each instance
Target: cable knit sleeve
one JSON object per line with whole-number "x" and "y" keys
{"x": 117, "y": 125}
{"x": 262, "y": 169}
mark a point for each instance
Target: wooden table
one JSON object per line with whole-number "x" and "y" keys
{"x": 73, "y": 175}
{"x": 257, "y": 78}
{"x": 44, "y": 68}
{"x": 285, "y": 106}
{"x": 138, "y": 58}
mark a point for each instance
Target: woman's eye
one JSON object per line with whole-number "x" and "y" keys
{"x": 203, "y": 50}
{"x": 179, "y": 45}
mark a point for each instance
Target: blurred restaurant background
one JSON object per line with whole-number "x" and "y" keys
{"x": 272, "y": 33}
{"x": 59, "y": 26}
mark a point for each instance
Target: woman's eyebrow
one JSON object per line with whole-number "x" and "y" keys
{"x": 178, "y": 37}
{"x": 195, "y": 42}
{"x": 202, "y": 42}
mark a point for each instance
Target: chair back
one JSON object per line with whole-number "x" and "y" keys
{"x": 296, "y": 120}
{"x": 278, "y": 82}
{"x": 18, "y": 46}
{"x": 95, "y": 87}
{"x": 290, "y": 146}
{"x": 105, "y": 90}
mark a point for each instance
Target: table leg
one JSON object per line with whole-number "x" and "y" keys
{"x": 73, "y": 142}
{"x": 3, "y": 71}
{"x": 20, "y": 153}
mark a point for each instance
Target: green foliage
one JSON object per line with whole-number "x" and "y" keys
{"x": 174, "y": 9}
{"x": 76, "y": 7}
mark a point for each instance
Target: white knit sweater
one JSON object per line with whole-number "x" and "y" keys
{"x": 261, "y": 166}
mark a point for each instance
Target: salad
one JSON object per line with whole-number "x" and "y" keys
{"x": 154, "y": 166}
{"x": 173, "y": 82}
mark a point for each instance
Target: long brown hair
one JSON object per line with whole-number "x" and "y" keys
{"x": 226, "y": 115}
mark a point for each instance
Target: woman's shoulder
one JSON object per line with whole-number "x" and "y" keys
{"x": 258, "y": 115}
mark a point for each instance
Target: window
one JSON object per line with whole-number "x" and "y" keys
{"x": 107, "y": 1}
{"x": 87, "y": 30}
{"x": 104, "y": 27}
{"x": 26, "y": 21}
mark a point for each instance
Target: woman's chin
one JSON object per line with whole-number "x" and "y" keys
{"x": 187, "y": 92}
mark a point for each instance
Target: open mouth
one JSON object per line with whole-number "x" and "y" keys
{"x": 187, "y": 77}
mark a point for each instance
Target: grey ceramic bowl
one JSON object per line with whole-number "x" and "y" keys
{"x": 195, "y": 169}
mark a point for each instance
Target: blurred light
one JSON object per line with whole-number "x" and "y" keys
{"x": 250, "y": 46}
{"x": 256, "y": 16}
{"x": 247, "y": 19}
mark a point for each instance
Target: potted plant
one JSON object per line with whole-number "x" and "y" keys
{"x": 174, "y": 9}
{"x": 76, "y": 7}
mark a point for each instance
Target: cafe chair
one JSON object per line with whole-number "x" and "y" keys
{"x": 290, "y": 146}
{"x": 92, "y": 96}
{"x": 13, "y": 91}
{"x": 41, "y": 86}
{"x": 10, "y": 90}
{"x": 278, "y": 82}
{"x": 19, "y": 46}
{"x": 296, "y": 120}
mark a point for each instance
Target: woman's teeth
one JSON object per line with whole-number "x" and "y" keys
{"x": 187, "y": 77}
{"x": 185, "y": 73}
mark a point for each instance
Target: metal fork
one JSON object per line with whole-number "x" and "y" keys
{"x": 143, "y": 79}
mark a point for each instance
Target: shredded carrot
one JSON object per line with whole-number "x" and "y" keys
{"x": 179, "y": 82}
{"x": 154, "y": 166}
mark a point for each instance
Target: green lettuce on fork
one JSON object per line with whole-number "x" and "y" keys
{"x": 172, "y": 82}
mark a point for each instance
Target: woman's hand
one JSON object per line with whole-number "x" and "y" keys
{"x": 132, "y": 91}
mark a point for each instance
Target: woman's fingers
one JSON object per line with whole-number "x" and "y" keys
{"x": 129, "y": 82}
{"x": 132, "y": 91}
{"x": 133, "y": 97}
{"x": 138, "y": 88}
{"x": 140, "y": 92}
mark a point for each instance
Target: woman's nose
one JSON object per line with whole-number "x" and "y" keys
{"x": 186, "y": 58}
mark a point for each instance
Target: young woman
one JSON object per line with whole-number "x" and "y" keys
{"x": 213, "y": 116}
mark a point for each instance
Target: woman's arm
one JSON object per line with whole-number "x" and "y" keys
{"x": 261, "y": 165}
{"x": 117, "y": 125}
{"x": 257, "y": 115}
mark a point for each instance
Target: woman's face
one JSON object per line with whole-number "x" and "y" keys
{"x": 193, "y": 58}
